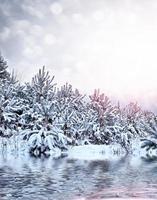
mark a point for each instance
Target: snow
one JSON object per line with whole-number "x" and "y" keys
{"x": 109, "y": 152}
{"x": 39, "y": 118}
{"x": 96, "y": 152}
{"x": 16, "y": 146}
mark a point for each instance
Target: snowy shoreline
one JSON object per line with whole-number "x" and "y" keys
{"x": 41, "y": 119}
{"x": 113, "y": 152}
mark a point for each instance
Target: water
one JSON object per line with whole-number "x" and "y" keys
{"x": 66, "y": 179}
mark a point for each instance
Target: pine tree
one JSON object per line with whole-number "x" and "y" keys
{"x": 42, "y": 84}
{"x": 104, "y": 113}
{"x": 130, "y": 125}
{"x": 149, "y": 142}
{"x": 70, "y": 110}
{"x": 4, "y": 75}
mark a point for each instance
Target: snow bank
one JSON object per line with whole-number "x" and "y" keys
{"x": 108, "y": 152}
{"x": 16, "y": 146}
{"x": 96, "y": 152}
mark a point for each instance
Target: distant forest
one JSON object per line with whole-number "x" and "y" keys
{"x": 45, "y": 117}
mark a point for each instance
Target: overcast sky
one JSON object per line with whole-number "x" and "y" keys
{"x": 107, "y": 44}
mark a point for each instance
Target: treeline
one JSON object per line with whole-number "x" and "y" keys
{"x": 47, "y": 117}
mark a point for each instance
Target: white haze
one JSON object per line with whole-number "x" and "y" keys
{"x": 106, "y": 44}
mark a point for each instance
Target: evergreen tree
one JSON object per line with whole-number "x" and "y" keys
{"x": 149, "y": 142}
{"x": 4, "y": 75}
{"x": 42, "y": 84}
{"x": 104, "y": 114}
{"x": 70, "y": 111}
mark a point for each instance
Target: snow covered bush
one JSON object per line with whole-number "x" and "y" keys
{"x": 45, "y": 141}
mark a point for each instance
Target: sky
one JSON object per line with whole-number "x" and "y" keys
{"x": 106, "y": 44}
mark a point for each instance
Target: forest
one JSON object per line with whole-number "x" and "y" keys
{"x": 40, "y": 118}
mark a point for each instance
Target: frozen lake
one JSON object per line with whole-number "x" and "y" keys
{"x": 71, "y": 179}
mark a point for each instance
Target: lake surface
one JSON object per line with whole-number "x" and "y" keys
{"x": 25, "y": 178}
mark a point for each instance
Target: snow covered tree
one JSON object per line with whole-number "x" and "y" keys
{"x": 150, "y": 123}
{"x": 40, "y": 130}
{"x": 105, "y": 115}
{"x": 70, "y": 109}
{"x": 4, "y": 75}
{"x": 149, "y": 142}
{"x": 9, "y": 106}
{"x": 130, "y": 122}
{"x": 132, "y": 113}
{"x": 42, "y": 84}
{"x": 49, "y": 119}
{"x": 37, "y": 99}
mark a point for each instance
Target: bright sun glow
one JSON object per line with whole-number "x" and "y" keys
{"x": 118, "y": 60}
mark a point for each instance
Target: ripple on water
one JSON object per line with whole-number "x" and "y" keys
{"x": 69, "y": 179}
